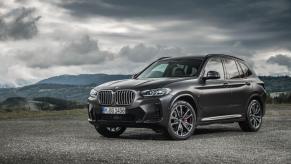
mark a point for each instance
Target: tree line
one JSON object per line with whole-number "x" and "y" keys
{"x": 282, "y": 98}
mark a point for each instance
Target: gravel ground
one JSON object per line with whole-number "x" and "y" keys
{"x": 75, "y": 141}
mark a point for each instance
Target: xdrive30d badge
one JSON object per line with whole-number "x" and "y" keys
{"x": 175, "y": 95}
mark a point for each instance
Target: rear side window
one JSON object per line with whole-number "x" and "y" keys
{"x": 241, "y": 73}
{"x": 247, "y": 72}
{"x": 231, "y": 69}
{"x": 214, "y": 64}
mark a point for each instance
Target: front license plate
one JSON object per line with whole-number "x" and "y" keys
{"x": 113, "y": 110}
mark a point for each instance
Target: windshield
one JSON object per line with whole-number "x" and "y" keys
{"x": 172, "y": 68}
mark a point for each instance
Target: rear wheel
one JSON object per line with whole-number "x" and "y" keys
{"x": 182, "y": 121}
{"x": 110, "y": 132}
{"x": 254, "y": 116}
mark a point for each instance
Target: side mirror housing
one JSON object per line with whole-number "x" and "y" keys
{"x": 134, "y": 76}
{"x": 212, "y": 75}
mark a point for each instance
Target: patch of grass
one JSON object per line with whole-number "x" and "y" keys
{"x": 279, "y": 106}
{"x": 278, "y": 110}
{"x": 64, "y": 114}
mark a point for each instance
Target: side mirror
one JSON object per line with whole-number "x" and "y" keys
{"x": 212, "y": 75}
{"x": 134, "y": 76}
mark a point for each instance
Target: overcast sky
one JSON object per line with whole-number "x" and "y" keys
{"x": 39, "y": 39}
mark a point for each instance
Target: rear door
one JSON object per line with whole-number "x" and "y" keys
{"x": 238, "y": 86}
{"x": 247, "y": 80}
{"x": 214, "y": 94}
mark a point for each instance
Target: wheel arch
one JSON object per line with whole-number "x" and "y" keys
{"x": 188, "y": 98}
{"x": 258, "y": 97}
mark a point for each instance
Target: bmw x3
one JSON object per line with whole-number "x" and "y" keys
{"x": 175, "y": 95}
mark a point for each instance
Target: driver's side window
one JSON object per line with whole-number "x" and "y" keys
{"x": 214, "y": 64}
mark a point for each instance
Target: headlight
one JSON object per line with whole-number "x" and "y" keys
{"x": 93, "y": 93}
{"x": 155, "y": 92}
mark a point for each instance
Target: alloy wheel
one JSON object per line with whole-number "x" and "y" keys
{"x": 255, "y": 114}
{"x": 181, "y": 120}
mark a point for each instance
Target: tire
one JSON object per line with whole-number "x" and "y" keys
{"x": 254, "y": 117}
{"x": 182, "y": 121}
{"x": 110, "y": 132}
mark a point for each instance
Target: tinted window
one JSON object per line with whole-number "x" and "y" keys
{"x": 215, "y": 64}
{"x": 231, "y": 69}
{"x": 247, "y": 72}
{"x": 172, "y": 68}
{"x": 241, "y": 73}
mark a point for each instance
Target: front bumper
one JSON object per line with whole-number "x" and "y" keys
{"x": 144, "y": 112}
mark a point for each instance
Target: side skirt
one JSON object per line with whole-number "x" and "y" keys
{"x": 224, "y": 120}
{"x": 221, "y": 117}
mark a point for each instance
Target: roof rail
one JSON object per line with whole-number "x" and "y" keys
{"x": 223, "y": 55}
{"x": 161, "y": 58}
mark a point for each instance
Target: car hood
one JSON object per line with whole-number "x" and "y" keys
{"x": 150, "y": 83}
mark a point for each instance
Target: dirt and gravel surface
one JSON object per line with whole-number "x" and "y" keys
{"x": 75, "y": 141}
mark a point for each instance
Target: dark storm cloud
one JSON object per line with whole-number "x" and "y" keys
{"x": 255, "y": 24}
{"x": 132, "y": 8}
{"x": 18, "y": 24}
{"x": 143, "y": 53}
{"x": 281, "y": 59}
{"x": 81, "y": 51}
{"x": 224, "y": 12}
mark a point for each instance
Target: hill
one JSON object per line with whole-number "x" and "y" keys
{"x": 40, "y": 103}
{"x": 277, "y": 84}
{"x": 14, "y": 103}
{"x": 83, "y": 79}
{"x": 66, "y": 92}
{"x": 5, "y": 86}
{"x": 74, "y": 88}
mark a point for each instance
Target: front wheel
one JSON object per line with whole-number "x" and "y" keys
{"x": 110, "y": 132}
{"x": 254, "y": 116}
{"x": 182, "y": 121}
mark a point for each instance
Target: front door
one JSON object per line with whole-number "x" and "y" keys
{"x": 214, "y": 93}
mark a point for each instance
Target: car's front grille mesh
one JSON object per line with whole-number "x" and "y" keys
{"x": 120, "y": 97}
{"x": 105, "y": 97}
{"x": 124, "y": 97}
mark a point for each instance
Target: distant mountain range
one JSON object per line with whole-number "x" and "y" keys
{"x": 277, "y": 83}
{"x": 6, "y": 86}
{"x": 66, "y": 87}
{"x": 77, "y": 87}
{"x": 83, "y": 79}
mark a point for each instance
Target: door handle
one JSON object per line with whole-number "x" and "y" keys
{"x": 225, "y": 84}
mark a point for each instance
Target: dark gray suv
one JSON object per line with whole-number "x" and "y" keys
{"x": 174, "y": 95}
